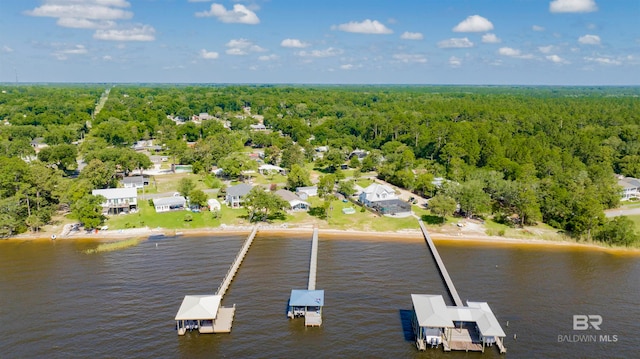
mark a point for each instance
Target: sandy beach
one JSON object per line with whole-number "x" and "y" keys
{"x": 444, "y": 234}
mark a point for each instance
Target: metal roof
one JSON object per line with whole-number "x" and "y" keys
{"x": 431, "y": 311}
{"x": 239, "y": 189}
{"x": 115, "y": 193}
{"x": 196, "y": 307}
{"x": 169, "y": 201}
{"x": 306, "y": 298}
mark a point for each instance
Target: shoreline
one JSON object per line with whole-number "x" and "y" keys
{"x": 404, "y": 236}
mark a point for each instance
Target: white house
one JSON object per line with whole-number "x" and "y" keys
{"x": 630, "y": 188}
{"x": 118, "y": 200}
{"x": 235, "y": 195}
{"x": 376, "y": 192}
{"x": 166, "y": 204}
{"x": 134, "y": 182}
{"x": 295, "y": 202}
{"x": 267, "y": 168}
{"x": 306, "y": 192}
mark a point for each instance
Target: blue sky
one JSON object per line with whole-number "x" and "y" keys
{"x": 531, "y": 42}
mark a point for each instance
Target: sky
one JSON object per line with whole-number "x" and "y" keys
{"x": 477, "y": 42}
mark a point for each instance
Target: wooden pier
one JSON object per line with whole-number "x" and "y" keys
{"x": 204, "y": 312}
{"x": 222, "y": 289}
{"x": 459, "y": 327}
{"x": 443, "y": 270}
{"x": 308, "y": 303}
{"x": 313, "y": 263}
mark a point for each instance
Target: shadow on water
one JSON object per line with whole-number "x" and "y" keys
{"x": 406, "y": 316}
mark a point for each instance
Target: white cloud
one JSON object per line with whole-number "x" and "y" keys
{"x": 411, "y": 36}
{"x": 365, "y": 27}
{"x": 456, "y": 42}
{"x": 139, "y": 33}
{"x": 410, "y": 58}
{"x": 557, "y": 59}
{"x": 508, "y": 51}
{"x": 455, "y": 61}
{"x": 294, "y": 43}
{"x": 242, "y": 47}
{"x": 208, "y": 55}
{"x": 75, "y": 50}
{"x": 240, "y": 14}
{"x": 557, "y": 6}
{"x": 347, "y": 67}
{"x": 268, "y": 57}
{"x": 89, "y": 9}
{"x": 84, "y": 23}
{"x": 6, "y": 49}
{"x": 328, "y": 52}
{"x": 602, "y": 60}
{"x": 546, "y": 49}
{"x": 474, "y": 23}
{"x": 107, "y": 58}
{"x": 537, "y": 28}
{"x": 589, "y": 39}
{"x": 490, "y": 39}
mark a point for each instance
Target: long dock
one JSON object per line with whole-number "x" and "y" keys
{"x": 313, "y": 263}
{"x": 231, "y": 273}
{"x": 443, "y": 270}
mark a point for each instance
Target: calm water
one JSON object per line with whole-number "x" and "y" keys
{"x": 57, "y": 302}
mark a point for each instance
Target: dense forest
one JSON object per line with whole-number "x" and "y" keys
{"x": 521, "y": 154}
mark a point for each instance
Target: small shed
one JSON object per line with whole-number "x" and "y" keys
{"x": 213, "y": 204}
{"x": 307, "y": 304}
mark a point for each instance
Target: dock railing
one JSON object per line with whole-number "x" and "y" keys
{"x": 222, "y": 289}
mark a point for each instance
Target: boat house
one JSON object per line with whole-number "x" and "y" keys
{"x": 469, "y": 328}
{"x": 204, "y": 314}
{"x": 307, "y": 304}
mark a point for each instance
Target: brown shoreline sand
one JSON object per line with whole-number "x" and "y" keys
{"x": 405, "y": 236}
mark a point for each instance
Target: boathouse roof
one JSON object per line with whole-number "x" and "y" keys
{"x": 306, "y": 298}
{"x": 431, "y": 311}
{"x": 196, "y": 307}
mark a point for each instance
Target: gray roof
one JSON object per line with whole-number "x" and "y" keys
{"x": 133, "y": 179}
{"x": 287, "y": 195}
{"x": 629, "y": 182}
{"x": 169, "y": 201}
{"x": 431, "y": 311}
{"x": 239, "y": 190}
{"x": 115, "y": 193}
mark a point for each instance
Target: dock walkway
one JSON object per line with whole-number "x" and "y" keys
{"x": 443, "y": 270}
{"x": 222, "y": 289}
{"x": 313, "y": 263}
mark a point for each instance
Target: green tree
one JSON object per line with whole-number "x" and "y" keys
{"x": 298, "y": 177}
{"x": 198, "y": 197}
{"x": 185, "y": 186}
{"x": 100, "y": 174}
{"x": 88, "y": 211}
{"x": 261, "y": 204}
{"x": 236, "y": 163}
{"x": 347, "y": 187}
{"x": 326, "y": 184}
{"x": 618, "y": 231}
{"x": 442, "y": 206}
{"x": 472, "y": 198}
{"x": 62, "y": 156}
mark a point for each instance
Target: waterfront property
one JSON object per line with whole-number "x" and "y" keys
{"x": 376, "y": 192}
{"x": 118, "y": 200}
{"x": 204, "y": 312}
{"x": 295, "y": 202}
{"x": 235, "y": 195}
{"x": 134, "y": 182}
{"x": 308, "y": 303}
{"x": 306, "y": 192}
{"x": 469, "y": 328}
{"x": 166, "y": 204}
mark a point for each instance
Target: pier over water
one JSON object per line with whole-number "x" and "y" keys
{"x": 204, "y": 312}
{"x": 308, "y": 303}
{"x": 313, "y": 263}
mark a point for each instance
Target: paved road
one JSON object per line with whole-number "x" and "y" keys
{"x": 622, "y": 212}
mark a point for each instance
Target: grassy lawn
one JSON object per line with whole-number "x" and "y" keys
{"x": 147, "y": 216}
{"x": 364, "y": 182}
{"x": 636, "y": 220}
{"x": 169, "y": 183}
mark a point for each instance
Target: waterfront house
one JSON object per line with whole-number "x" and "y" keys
{"x": 235, "y": 195}
{"x": 295, "y": 202}
{"x": 166, "y": 204}
{"x": 630, "y": 188}
{"x": 118, "y": 200}
{"x": 376, "y": 192}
